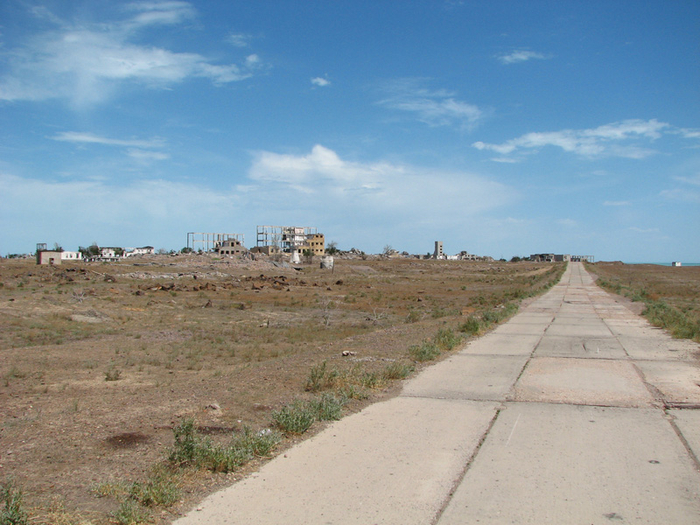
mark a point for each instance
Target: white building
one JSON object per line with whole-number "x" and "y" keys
{"x": 71, "y": 256}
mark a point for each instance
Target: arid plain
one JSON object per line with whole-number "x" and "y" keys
{"x": 100, "y": 362}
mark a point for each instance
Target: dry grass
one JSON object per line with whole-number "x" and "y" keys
{"x": 671, "y": 295}
{"x": 101, "y": 361}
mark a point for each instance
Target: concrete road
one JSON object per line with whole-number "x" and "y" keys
{"x": 574, "y": 412}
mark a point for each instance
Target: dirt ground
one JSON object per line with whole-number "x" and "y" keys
{"x": 99, "y": 361}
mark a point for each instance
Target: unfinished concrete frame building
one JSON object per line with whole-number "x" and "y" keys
{"x": 289, "y": 239}
{"x": 209, "y": 242}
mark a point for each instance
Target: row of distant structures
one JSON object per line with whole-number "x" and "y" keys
{"x": 292, "y": 241}
{"x": 270, "y": 240}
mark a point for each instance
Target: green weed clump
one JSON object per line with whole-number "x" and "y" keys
{"x": 472, "y": 326}
{"x": 298, "y": 416}
{"x": 131, "y": 513}
{"x": 397, "y": 371}
{"x": 159, "y": 490}
{"x": 13, "y": 512}
{"x": 446, "y": 339}
{"x": 194, "y": 450}
{"x": 426, "y": 351}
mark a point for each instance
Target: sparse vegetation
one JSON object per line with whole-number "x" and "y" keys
{"x": 170, "y": 338}
{"x": 671, "y": 296}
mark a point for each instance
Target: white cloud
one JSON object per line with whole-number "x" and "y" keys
{"x": 521, "y": 55}
{"x": 320, "y": 81}
{"x": 146, "y": 156}
{"x": 433, "y": 107}
{"x": 90, "y": 138}
{"x": 382, "y": 201}
{"x": 379, "y": 189}
{"x": 616, "y": 203}
{"x": 85, "y": 64}
{"x": 643, "y": 230}
{"x": 165, "y": 12}
{"x": 681, "y": 195}
{"x": 604, "y": 140}
{"x": 693, "y": 180}
{"x": 239, "y": 39}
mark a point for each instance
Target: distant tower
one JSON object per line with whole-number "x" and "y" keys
{"x": 438, "y": 250}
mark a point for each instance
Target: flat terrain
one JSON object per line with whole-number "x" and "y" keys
{"x": 99, "y": 361}
{"x": 574, "y": 411}
{"x": 668, "y": 296}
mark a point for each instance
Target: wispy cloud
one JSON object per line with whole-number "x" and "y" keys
{"x": 693, "y": 180}
{"x": 521, "y": 55}
{"x": 320, "y": 81}
{"x": 433, "y": 107}
{"x": 681, "y": 195}
{"x": 85, "y": 64}
{"x": 90, "y": 138}
{"x": 643, "y": 230}
{"x": 617, "y": 203}
{"x": 239, "y": 39}
{"x": 616, "y": 139}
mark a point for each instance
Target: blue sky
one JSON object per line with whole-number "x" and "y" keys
{"x": 500, "y": 128}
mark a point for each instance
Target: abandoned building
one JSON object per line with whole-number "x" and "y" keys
{"x": 290, "y": 239}
{"x": 211, "y": 242}
{"x": 51, "y": 257}
{"x": 145, "y": 250}
{"x": 230, "y": 247}
{"x": 438, "y": 254}
{"x": 551, "y": 257}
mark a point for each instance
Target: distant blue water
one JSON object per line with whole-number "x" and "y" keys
{"x": 666, "y": 264}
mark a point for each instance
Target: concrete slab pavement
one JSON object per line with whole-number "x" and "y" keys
{"x": 393, "y": 463}
{"x": 525, "y": 425}
{"x": 563, "y": 464}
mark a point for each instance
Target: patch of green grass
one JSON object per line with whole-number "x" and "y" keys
{"x": 193, "y": 449}
{"x": 472, "y": 326}
{"x": 13, "y": 512}
{"x": 447, "y": 339}
{"x": 426, "y": 351}
{"x": 131, "y": 513}
{"x": 298, "y": 416}
{"x": 397, "y": 370}
{"x": 159, "y": 490}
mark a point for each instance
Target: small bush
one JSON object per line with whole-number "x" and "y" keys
{"x": 426, "y": 351}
